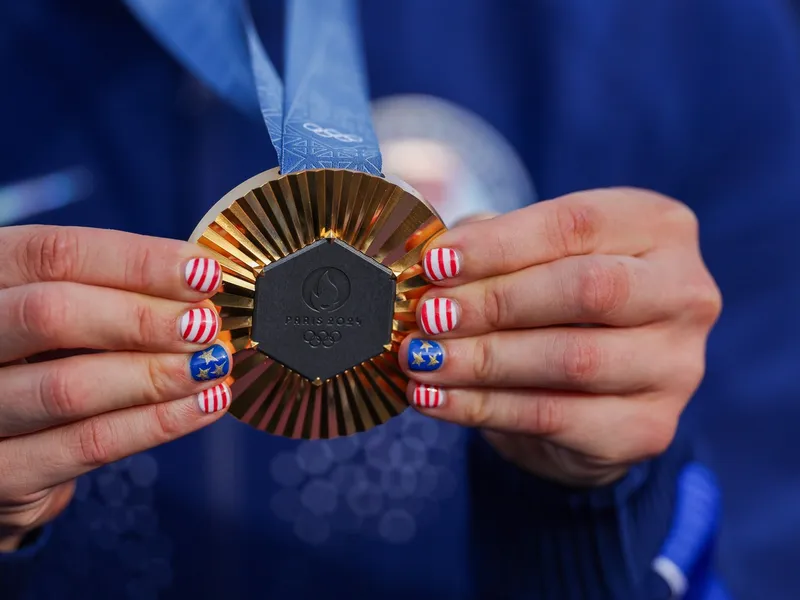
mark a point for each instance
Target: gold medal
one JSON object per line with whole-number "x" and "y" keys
{"x": 320, "y": 284}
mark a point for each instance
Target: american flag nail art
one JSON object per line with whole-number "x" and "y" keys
{"x": 211, "y": 363}
{"x": 203, "y": 274}
{"x": 428, "y": 397}
{"x": 199, "y": 326}
{"x": 217, "y": 398}
{"x": 438, "y": 315}
{"x": 441, "y": 263}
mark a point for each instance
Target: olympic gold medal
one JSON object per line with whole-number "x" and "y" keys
{"x": 320, "y": 283}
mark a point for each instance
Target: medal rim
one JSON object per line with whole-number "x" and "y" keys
{"x": 333, "y": 385}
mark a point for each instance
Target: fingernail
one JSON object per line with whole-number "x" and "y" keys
{"x": 438, "y": 315}
{"x": 428, "y": 397}
{"x": 441, "y": 263}
{"x": 424, "y": 355}
{"x": 203, "y": 274}
{"x": 199, "y": 326}
{"x": 211, "y": 363}
{"x": 214, "y": 399}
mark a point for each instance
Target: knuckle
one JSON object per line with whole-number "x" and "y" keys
{"x": 147, "y": 329}
{"x": 658, "y": 438}
{"x": 52, "y": 254}
{"x": 678, "y": 216}
{"x": 704, "y": 300}
{"x": 693, "y": 373}
{"x": 602, "y": 289}
{"x": 157, "y": 381}
{"x": 95, "y": 442}
{"x": 495, "y": 305}
{"x": 58, "y": 394}
{"x": 478, "y": 411}
{"x": 507, "y": 253}
{"x": 579, "y": 360}
{"x": 573, "y": 227}
{"x": 483, "y": 363}
{"x": 43, "y": 315}
{"x": 138, "y": 274}
{"x": 547, "y": 416}
{"x": 690, "y": 371}
{"x": 167, "y": 424}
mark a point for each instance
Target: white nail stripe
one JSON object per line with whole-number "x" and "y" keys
{"x": 444, "y": 308}
{"x": 199, "y": 318}
{"x": 214, "y": 399}
{"x": 211, "y": 274}
{"x": 450, "y": 262}
{"x": 202, "y": 273}
{"x": 428, "y": 397}
{"x": 441, "y": 263}
{"x": 212, "y": 328}
{"x": 434, "y": 264}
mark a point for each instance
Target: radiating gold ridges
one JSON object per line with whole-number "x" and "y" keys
{"x": 280, "y": 216}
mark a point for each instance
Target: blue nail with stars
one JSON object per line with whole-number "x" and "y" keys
{"x": 425, "y": 355}
{"x": 208, "y": 364}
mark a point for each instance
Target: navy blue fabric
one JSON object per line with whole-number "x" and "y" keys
{"x": 696, "y": 99}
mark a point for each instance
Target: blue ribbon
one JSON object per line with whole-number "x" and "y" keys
{"x": 321, "y": 117}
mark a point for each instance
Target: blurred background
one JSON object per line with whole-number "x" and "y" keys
{"x": 481, "y": 107}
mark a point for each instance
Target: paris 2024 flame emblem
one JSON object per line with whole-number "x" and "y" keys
{"x": 326, "y": 289}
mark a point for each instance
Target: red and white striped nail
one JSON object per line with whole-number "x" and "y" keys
{"x": 199, "y": 326}
{"x": 438, "y": 315}
{"x": 427, "y": 396}
{"x": 215, "y": 399}
{"x": 203, "y": 274}
{"x": 441, "y": 263}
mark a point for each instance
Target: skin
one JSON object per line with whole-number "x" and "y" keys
{"x": 67, "y": 412}
{"x": 578, "y": 405}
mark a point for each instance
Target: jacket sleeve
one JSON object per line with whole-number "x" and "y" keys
{"x": 536, "y": 539}
{"x": 17, "y": 569}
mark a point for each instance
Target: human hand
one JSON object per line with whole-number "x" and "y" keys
{"x": 501, "y": 349}
{"x": 142, "y": 300}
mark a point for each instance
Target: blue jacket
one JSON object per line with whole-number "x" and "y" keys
{"x": 698, "y": 99}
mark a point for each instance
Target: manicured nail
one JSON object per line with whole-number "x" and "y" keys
{"x": 211, "y": 363}
{"x": 441, "y": 263}
{"x": 199, "y": 326}
{"x": 217, "y": 398}
{"x": 428, "y": 397}
{"x": 438, "y": 315}
{"x": 424, "y": 355}
{"x": 203, "y": 274}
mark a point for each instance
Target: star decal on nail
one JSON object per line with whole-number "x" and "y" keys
{"x": 425, "y": 355}
{"x": 211, "y": 363}
{"x": 208, "y": 355}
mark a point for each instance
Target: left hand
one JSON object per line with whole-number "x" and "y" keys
{"x": 499, "y": 348}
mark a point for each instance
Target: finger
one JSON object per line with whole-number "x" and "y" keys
{"x": 612, "y": 221}
{"x": 106, "y": 258}
{"x": 63, "y": 315}
{"x": 608, "y": 290}
{"x": 49, "y": 394}
{"x": 51, "y": 457}
{"x": 18, "y": 518}
{"x": 619, "y": 429}
{"x": 598, "y": 361}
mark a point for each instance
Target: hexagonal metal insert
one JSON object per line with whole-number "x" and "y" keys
{"x": 323, "y": 309}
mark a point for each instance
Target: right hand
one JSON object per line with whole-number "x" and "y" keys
{"x": 65, "y": 288}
